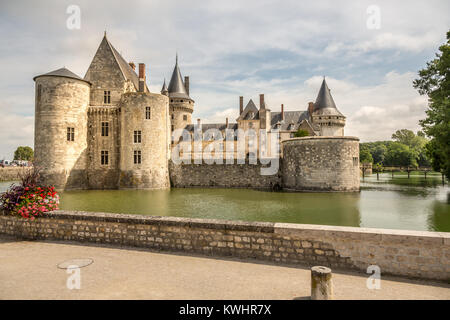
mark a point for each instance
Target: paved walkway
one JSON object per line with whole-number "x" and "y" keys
{"x": 28, "y": 270}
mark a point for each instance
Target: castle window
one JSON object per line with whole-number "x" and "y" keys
{"x": 185, "y": 117}
{"x": 171, "y": 100}
{"x": 105, "y": 129}
{"x": 181, "y": 100}
{"x": 173, "y": 127}
{"x": 107, "y": 97}
{"x": 104, "y": 157}
{"x": 137, "y": 136}
{"x": 148, "y": 113}
{"x": 355, "y": 161}
{"x": 173, "y": 117}
{"x": 137, "y": 156}
{"x": 70, "y": 134}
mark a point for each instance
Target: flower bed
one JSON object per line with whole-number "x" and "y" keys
{"x": 29, "y": 199}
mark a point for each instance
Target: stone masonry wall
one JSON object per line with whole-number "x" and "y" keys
{"x": 403, "y": 253}
{"x": 221, "y": 175}
{"x": 12, "y": 173}
{"x": 321, "y": 164}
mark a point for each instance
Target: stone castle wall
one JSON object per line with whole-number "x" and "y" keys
{"x": 222, "y": 175}
{"x": 152, "y": 172}
{"x": 308, "y": 164}
{"x": 101, "y": 176}
{"x": 61, "y": 103}
{"x": 180, "y": 112}
{"x": 321, "y": 164}
{"x": 410, "y": 254}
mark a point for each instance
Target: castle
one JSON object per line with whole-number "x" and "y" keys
{"x": 107, "y": 130}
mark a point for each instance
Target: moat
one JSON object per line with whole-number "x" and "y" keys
{"x": 399, "y": 203}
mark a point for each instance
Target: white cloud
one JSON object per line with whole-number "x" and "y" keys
{"x": 373, "y": 112}
{"x": 15, "y": 130}
{"x": 232, "y": 48}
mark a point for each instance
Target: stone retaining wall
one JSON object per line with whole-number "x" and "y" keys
{"x": 404, "y": 253}
{"x": 222, "y": 175}
{"x": 11, "y": 173}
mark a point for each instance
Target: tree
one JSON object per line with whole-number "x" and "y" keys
{"x": 434, "y": 81}
{"x": 23, "y": 153}
{"x": 399, "y": 154}
{"x": 432, "y": 149}
{"x": 404, "y": 136}
{"x": 379, "y": 152}
{"x": 365, "y": 156}
{"x": 301, "y": 133}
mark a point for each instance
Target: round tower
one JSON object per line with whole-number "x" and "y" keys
{"x": 181, "y": 105}
{"x": 145, "y": 141}
{"x": 325, "y": 114}
{"x": 321, "y": 164}
{"x": 60, "y": 134}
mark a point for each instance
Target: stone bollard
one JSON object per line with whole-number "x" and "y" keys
{"x": 321, "y": 283}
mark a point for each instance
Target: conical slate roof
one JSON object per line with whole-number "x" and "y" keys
{"x": 176, "y": 85}
{"x": 63, "y": 72}
{"x": 164, "y": 87}
{"x": 324, "y": 103}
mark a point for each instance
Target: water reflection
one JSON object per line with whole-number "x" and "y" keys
{"x": 399, "y": 203}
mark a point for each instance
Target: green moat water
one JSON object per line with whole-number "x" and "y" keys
{"x": 399, "y": 203}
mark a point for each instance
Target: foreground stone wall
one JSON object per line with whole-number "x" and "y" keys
{"x": 221, "y": 175}
{"x": 403, "y": 253}
{"x": 12, "y": 173}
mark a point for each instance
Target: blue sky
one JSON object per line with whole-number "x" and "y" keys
{"x": 233, "y": 48}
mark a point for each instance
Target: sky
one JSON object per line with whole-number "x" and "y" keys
{"x": 369, "y": 51}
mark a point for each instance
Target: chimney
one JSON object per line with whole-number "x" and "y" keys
{"x": 282, "y": 112}
{"x": 186, "y": 84}
{"x": 226, "y": 123}
{"x": 132, "y": 65}
{"x": 261, "y": 102}
{"x": 241, "y": 105}
{"x": 141, "y": 77}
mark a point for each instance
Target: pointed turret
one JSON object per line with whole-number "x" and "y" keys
{"x": 181, "y": 104}
{"x": 325, "y": 116}
{"x": 324, "y": 98}
{"x": 164, "y": 90}
{"x": 177, "y": 88}
{"x": 324, "y": 101}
